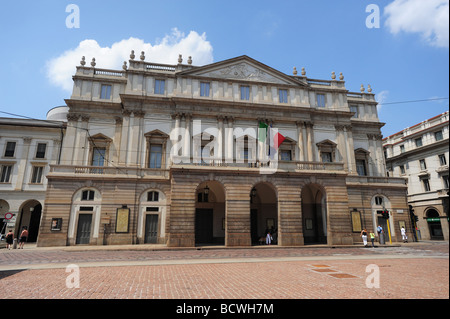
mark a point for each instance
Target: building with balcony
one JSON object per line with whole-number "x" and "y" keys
{"x": 28, "y": 148}
{"x": 184, "y": 155}
{"x": 420, "y": 154}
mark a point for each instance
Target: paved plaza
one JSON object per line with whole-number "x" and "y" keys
{"x": 403, "y": 271}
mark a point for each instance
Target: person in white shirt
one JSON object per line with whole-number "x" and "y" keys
{"x": 404, "y": 237}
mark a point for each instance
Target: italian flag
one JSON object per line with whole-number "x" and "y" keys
{"x": 270, "y": 136}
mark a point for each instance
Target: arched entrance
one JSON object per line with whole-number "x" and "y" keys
{"x": 314, "y": 214}
{"x": 434, "y": 225}
{"x": 210, "y": 214}
{"x": 4, "y": 208}
{"x": 30, "y": 217}
{"x": 263, "y": 213}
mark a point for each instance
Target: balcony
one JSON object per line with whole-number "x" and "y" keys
{"x": 277, "y": 166}
{"x": 376, "y": 180}
{"x": 72, "y": 171}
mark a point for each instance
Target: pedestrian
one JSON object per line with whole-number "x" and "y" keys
{"x": 372, "y": 238}
{"x": 23, "y": 237}
{"x": 380, "y": 232}
{"x": 364, "y": 237}
{"x": 404, "y": 237}
{"x": 268, "y": 238}
{"x": 9, "y": 239}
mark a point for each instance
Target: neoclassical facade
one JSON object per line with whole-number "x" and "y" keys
{"x": 420, "y": 154}
{"x": 27, "y": 149}
{"x": 184, "y": 155}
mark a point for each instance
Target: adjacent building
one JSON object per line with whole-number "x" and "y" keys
{"x": 420, "y": 154}
{"x": 27, "y": 149}
{"x": 185, "y": 155}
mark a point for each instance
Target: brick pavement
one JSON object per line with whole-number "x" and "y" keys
{"x": 419, "y": 271}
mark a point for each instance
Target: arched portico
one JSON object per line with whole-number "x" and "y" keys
{"x": 30, "y": 217}
{"x": 210, "y": 213}
{"x": 314, "y": 214}
{"x": 263, "y": 213}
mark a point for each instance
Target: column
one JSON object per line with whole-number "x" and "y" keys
{"x": 310, "y": 142}
{"x": 117, "y": 139}
{"x": 81, "y": 156}
{"x": 69, "y": 139}
{"x": 372, "y": 156}
{"x": 229, "y": 143}
{"x": 219, "y": 152}
{"x": 187, "y": 139}
{"x": 139, "y": 138}
{"x": 300, "y": 154}
{"x": 22, "y": 164}
{"x": 124, "y": 138}
{"x": 348, "y": 135}
{"x": 342, "y": 146}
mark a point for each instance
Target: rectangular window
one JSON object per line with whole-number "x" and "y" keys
{"x": 98, "y": 156}
{"x": 378, "y": 200}
{"x": 5, "y": 173}
{"x": 155, "y": 156}
{"x": 326, "y": 157}
{"x": 418, "y": 142}
{"x": 438, "y": 135}
{"x": 286, "y": 155}
{"x": 423, "y": 165}
{"x": 40, "y": 151}
{"x": 245, "y": 93}
{"x": 361, "y": 167}
{"x": 160, "y": 86}
{"x": 204, "y": 89}
{"x": 426, "y": 184}
{"x": 283, "y": 95}
{"x": 152, "y": 196}
{"x": 320, "y": 100}
{"x": 105, "y": 92}
{"x": 442, "y": 160}
{"x": 86, "y": 209}
{"x": 445, "y": 181}
{"x": 36, "y": 176}
{"x": 402, "y": 148}
{"x": 88, "y": 195}
{"x": 10, "y": 149}
{"x": 402, "y": 169}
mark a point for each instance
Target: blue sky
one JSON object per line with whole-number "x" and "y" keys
{"x": 405, "y": 59}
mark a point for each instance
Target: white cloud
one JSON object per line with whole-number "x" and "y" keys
{"x": 60, "y": 69}
{"x": 381, "y": 98}
{"x": 429, "y": 18}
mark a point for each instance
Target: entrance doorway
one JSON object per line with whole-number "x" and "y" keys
{"x": 434, "y": 225}
{"x": 151, "y": 229}
{"x": 204, "y": 226}
{"x": 263, "y": 214}
{"x": 84, "y": 229}
{"x": 314, "y": 214}
{"x": 30, "y": 218}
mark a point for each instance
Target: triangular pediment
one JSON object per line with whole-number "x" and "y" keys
{"x": 325, "y": 143}
{"x": 242, "y": 68}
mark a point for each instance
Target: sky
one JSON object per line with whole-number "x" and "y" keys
{"x": 399, "y": 47}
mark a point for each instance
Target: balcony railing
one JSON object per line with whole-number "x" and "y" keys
{"x": 376, "y": 180}
{"x": 291, "y": 166}
{"x": 103, "y": 171}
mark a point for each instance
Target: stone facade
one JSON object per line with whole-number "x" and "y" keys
{"x": 420, "y": 154}
{"x": 178, "y": 155}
